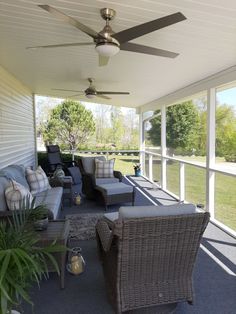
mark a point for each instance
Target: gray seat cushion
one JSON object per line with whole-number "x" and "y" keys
{"x": 89, "y": 163}
{"x": 115, "y": 188}
{"x": 51, "y": 198}
{"x": 101, "y": 181}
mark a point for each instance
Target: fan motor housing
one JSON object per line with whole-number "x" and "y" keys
{"x": 107, "y": 14}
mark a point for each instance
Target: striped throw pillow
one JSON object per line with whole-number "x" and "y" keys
{"x": 37, "y": 180}
{"x": 104, "y": 169}
{"x": 15, "y": 195}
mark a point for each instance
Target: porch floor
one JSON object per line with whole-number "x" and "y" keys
{"x": 214, "y": 275}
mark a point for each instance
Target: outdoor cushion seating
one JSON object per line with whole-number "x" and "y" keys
{"x": 89, "y": 180}
{"x": 116, "y": 193}
{"x": 50, "y": 197}
{"x": 148, "y": 260}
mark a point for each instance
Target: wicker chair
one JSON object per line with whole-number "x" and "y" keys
{"x": 149, "y": 261}
{"x": 89, "y": 180}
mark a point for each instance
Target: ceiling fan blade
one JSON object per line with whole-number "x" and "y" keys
{"x": 103, "y": 60}
{"x": 112, "y": 93}
{"x": 75, "y": 95}
{"x": 102, "y": 96}
{"x": 61, "y": 45}
{"x": 148, "y": 50}
{"x": 69, "y": 20}
{"x": 143, "y": 29}
{"x": 68, "y": 90}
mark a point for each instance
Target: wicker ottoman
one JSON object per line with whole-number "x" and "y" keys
{"x": 114, "y": 193}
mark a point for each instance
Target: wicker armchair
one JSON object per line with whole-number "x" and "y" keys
{"x": 89, "y": 180}
{"x": 149, "y": 261}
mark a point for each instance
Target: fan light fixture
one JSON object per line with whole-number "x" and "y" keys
{"x": 107, "y": 49}
{"x": 90, "y": 96}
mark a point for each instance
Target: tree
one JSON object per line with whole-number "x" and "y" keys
{"x": 182, "y": 125}
{"x": 70, "y": 123}
{"x": 225, "y": 130}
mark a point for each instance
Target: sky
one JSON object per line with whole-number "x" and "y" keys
{"x": 88, "y": 105}
{"x": 227, "y": 96}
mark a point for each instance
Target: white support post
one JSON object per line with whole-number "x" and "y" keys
{"x": 141, "y": 143}
{"x": 163, "y": 147}
{"x": 150, "y": 159}
{"x": 210, "y": 158}
{"x": 181, "y": 182}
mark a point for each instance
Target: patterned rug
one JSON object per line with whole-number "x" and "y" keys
{"x": 82, "y": 226}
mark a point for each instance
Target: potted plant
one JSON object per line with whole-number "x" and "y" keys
{"x": 39, "y": 217}
{"x": 22, "y": 260}
{"x": 137, "y": 170}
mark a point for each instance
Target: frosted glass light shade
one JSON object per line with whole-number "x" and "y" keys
{"x": 90, "y": 96}
{"x": 107, "y": 49}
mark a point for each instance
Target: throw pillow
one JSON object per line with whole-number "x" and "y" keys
{"x": 104, "y": 169}
{"x": 75, "y": 174}
{"x": 37, "y": 180}
{"x": 15, "y": 193}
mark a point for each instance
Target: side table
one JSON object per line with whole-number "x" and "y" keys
{"x": 66, "y": 182}
{"x": 67, "y": 189}
{"x": 57, "y": 230}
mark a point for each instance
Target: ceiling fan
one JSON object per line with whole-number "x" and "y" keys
{"x": 108, "y": 43}
{"x": 91, "y": 91}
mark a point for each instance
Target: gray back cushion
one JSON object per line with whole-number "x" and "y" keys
{"x": 89, "y": 163}
{"x": 15, "y": 172}
{"x": 154, "y": 211}
{"x": 4, "y": 183}
{"x": 75, "y": 174}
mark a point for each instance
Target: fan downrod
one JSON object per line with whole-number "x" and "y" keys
{"x": 107, "y": 14}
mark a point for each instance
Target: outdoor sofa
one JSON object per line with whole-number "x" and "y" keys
{"x": 51, "y": 197}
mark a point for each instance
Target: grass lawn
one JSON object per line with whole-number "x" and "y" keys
{"x": 195, "y": 185}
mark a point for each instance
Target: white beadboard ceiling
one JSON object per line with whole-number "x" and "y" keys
{"x": 206, "y": 42}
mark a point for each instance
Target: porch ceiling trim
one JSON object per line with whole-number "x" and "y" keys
{"x": 224, "y": 77}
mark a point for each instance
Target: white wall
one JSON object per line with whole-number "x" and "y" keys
{"x": 17, "y": 132}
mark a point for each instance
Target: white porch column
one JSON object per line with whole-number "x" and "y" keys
{"x": 181, "y": 181}
{"x": 141, "y": 143}
{"x": 150, "y": 160}
{"x": 163, "y": 147}
{"x": 210, "y": 158}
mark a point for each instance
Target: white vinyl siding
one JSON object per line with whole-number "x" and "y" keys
{"x": 17, "y": 132}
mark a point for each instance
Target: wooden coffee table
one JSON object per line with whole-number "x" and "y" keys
{"x": 57, "y": 230}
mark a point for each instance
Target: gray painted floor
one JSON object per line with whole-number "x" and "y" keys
{"x": 214, "y": 275}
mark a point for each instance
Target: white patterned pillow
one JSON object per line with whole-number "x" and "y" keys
{"x": 15, "y": 194}
{"x": 104, "y": 169}
{"x": 37, "y": 180}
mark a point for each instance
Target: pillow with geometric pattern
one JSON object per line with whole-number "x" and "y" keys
{"x": 104, "y": 169}
{"x": 15, "y": 194}
{"x": 37, "y": 180}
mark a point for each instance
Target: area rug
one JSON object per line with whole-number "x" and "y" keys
{"x": 82, "y": 226}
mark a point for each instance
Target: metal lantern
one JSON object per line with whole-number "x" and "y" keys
{"x": 76, "y": 263}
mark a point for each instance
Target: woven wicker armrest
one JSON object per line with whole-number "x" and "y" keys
{"x": 105, "y": 234}
{"x": 118, "y": 174}
{"x": 89, "y": 178}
